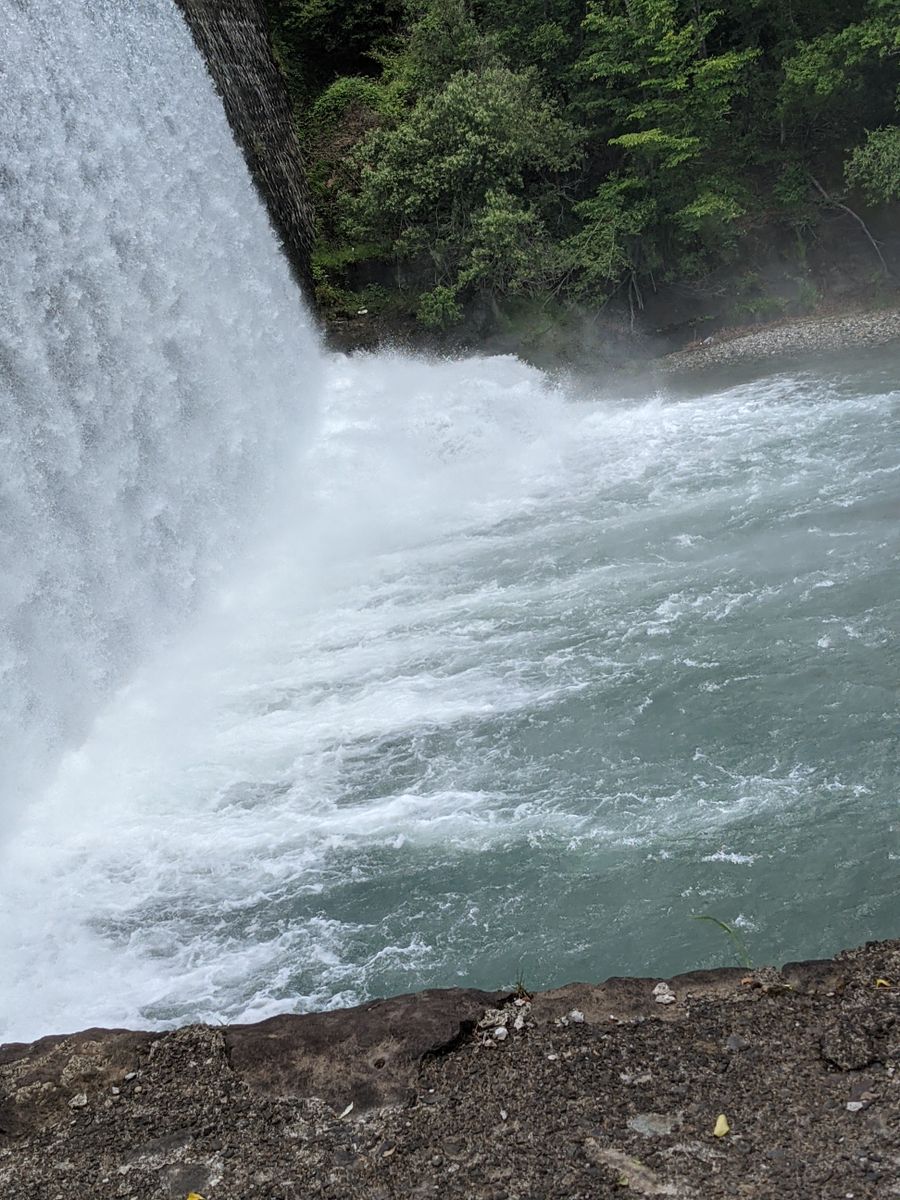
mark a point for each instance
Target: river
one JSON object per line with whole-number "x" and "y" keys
{"x": 327, "y": 678}
{"x": 525, "y": 676}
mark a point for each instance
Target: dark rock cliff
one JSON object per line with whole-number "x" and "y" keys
{"x": 233, "y": 37}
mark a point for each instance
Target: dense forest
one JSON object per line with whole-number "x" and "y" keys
{"x": 516, "y": 153}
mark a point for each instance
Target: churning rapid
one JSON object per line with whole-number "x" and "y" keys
{"x": 518, "y": 677}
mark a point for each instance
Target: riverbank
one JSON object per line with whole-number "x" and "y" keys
{"x": 783, "y": 339}
{"x": 713, "y": 1084}
{"x": 586, "y": 348}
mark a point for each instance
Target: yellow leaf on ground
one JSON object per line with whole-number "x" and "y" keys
{"x": 722, "y": 1126}
{"x": 882, "y": 983}
{"x": 194, "y": 1196}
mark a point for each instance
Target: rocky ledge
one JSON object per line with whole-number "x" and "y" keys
{"x": 810, "y": 335}
{"x": 712, "y": 1084}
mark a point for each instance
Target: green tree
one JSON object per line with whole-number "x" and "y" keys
{"x": 318, "y": 40}
{"x": 461, "y": 149}
{"x": 843, "y": 80}
{"x": 457, "y": 189}
{"x": 544, "y": 34}
{"x": 444, "y": 39}
{"x": 660, "y": 101}
{"x": 874, "y": 167}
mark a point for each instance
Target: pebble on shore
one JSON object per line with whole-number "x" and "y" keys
{"x": 807, "y": 336}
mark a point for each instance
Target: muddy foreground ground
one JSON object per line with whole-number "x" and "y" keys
{"x": 592, "y": 1091}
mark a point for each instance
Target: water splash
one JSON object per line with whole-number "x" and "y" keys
{"x": 530, "y": 677}
{"x": 154, "y": 356}
{"x": 533, "y": 677}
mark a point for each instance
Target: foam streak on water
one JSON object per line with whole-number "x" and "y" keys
{"x": 530, "y": 678}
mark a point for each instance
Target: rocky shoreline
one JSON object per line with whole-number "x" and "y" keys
{"x": 632, "y": 355}
{"x": 726, "y": 1083}
{"x": 808, "y": 335}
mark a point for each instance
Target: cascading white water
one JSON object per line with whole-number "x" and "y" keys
{"x": 153, "y": 354}
{"x": 531, "y": 677}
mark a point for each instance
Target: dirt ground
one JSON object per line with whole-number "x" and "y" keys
{"x": 720, "y": 1084}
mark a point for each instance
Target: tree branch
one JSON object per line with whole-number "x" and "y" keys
{"x": 856, "y": 217}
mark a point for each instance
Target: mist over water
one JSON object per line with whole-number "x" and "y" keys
{"x": 528, "y": 680}
{"x": 518, "y": 676}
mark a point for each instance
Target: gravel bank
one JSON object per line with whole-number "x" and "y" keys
{"x": 720, "y": 1084}
{"x": 814, "y": 335}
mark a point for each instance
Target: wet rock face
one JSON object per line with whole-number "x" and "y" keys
{"x": 369, "y": 1060}
{"x": 233, "y": 37}
{"x": 43, "y": 1080}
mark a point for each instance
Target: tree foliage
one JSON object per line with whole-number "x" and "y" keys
{"x": 466, "y": 148}
{"x": 661, "y": 101}
{"x": 459, "y": 183}
{"x": 874, "y": 167}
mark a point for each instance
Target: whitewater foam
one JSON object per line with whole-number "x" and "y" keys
{"x": 515, "y": 677}
{"x": 433, "y": 727}
{"x": 143, "y": 412}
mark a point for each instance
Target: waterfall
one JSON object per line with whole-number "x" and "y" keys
{"x": 535, "y": 673}
{"x": 154, "y": 358}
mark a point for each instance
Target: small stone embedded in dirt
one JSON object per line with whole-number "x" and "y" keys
{"x": 654, "y": 1124}
{"x": 737, "y": 1043}
{"x": 501, "y": 1034}
{"x": 576, "y": 1017}
{"x": 847, "y": 1045}
{"x": 79, "y": 1101}
{"x": 694, "y": 1150}
{"x": 663, "y": 994}
{"x": 494, "y": 1018}
{"x": 630, "y": 1172}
